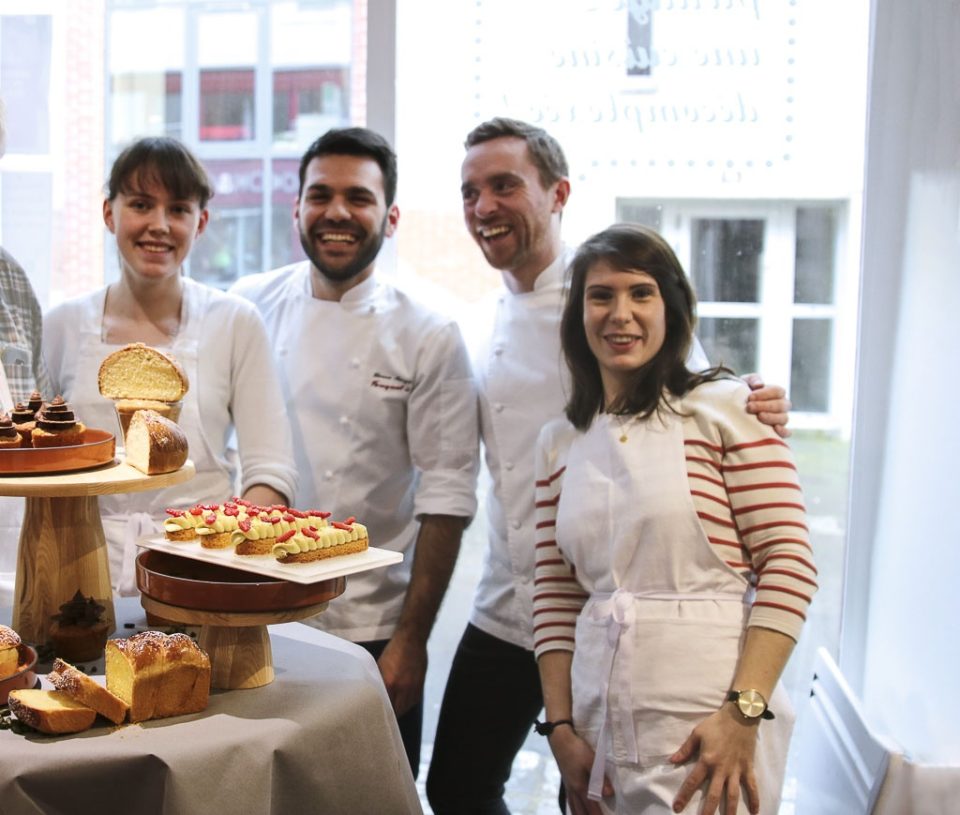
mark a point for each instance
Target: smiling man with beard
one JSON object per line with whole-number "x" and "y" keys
{"x": 383, "y": 406}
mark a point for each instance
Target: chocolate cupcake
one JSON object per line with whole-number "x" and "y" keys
{"x": 79, "y": 632}
{"x": 57, "y": 426}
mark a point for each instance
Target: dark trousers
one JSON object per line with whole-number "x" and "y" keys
{"x": 492, "y": 698}
{"x": 411, "y": 722}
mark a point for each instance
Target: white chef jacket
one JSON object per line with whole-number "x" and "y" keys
{"x": 223, "y": 347}
{"x": 383, "y": 408}
{"x": 523, "y": 384}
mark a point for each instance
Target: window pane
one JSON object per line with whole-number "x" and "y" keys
{"x": 311, "y": 54}
{"x": 227, "y": 53}
{"x": 231, "y": 245}
{"x": 810, "y": 364}
{"x": 816, "y": 235}
{"x": 145, "y": 74}
{"x": 726, "y": 260}
{"x": 729, "y": 341}
{"x": 308, "y": 102}
{"x": 226, "y": 105}
{"x": 25, "y": 42}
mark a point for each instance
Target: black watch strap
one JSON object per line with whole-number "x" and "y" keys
{"x": 546, "y": 728}
{"x": 734, "y": 696}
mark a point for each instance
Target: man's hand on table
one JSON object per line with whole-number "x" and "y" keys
{"x": 403, "y": 666}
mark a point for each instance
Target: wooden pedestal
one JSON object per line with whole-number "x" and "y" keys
{"x": 237, "y": 643}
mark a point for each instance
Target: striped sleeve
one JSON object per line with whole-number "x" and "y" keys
{"x": 747, "y": 495}
{"x": 557, "y": 596}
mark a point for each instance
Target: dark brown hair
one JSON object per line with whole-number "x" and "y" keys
{"x": 166, "y": 161}
{"x": 631, "y": 247}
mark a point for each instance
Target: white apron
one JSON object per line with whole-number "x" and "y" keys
{"x": 127, "y": 517}
{"x": 657, "y": 642}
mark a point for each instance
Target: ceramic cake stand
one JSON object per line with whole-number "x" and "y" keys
{"x": 62, "y": 546}
{"x": 233, "y": 609}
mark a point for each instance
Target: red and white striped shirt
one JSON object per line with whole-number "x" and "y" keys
{"x": 747, "y": 497}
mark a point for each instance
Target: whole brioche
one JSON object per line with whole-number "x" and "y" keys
{"x": 9, "y": 651}
{"x": 154, "y": 444}
{"x": 50, "y": 711}
{"x": 138, "y": 371}
{"x": 158, "y": 675}
{"x": 81, "y": 688}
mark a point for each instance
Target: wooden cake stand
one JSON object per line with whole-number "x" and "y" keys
{"x": 62, "y": 546}
{"x": 233, "y": 609}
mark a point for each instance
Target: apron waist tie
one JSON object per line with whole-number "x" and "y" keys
{"x": 618, "y": 612}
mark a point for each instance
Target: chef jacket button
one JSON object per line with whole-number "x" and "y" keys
{"x": 498, "y": 350}
{"x": 354, "y": 363}
{"x": 328, "y": 474}
{"x": 372, "y": 309}
{"x": 515, "y": 524}
{"x": 344, "y": 420}
{"x": 508, "y": 465}
{"x": 498, "y": 407}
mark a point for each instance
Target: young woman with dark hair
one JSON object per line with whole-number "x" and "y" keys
{"x": 673, "y": 563}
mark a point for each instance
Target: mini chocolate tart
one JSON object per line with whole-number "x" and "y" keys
{"x": 57, "y": 426}
{"x": 9, "y": 435}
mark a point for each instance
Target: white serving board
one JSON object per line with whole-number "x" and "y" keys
{"x": 314, "y": 572}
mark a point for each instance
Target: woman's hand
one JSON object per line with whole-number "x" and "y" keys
{"x": 575, "y": 759}
{"x": 726, "y": 744}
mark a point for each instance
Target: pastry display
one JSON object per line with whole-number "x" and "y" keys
{"x": 155, "y": 444}
{"x": 79, "y": 633}
{"x": 57, "y": 426}
{"x": 81, "y": 688}
{"x": 50, "y": 711}
{"x": 138, "y": 371}
{"x": 9, "y": 651}
{"x": 286, "y": 534}
{"x": 9, "y": 435}
{"x": 158, "y": 675}
{"x": 310, "y": 544}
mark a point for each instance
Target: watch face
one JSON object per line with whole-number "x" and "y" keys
{"x": 751, "y": 704}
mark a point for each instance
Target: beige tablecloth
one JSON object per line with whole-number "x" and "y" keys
{"x": 320, "y": 738}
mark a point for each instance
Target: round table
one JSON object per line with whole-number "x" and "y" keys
{"x": 62, "y": 546}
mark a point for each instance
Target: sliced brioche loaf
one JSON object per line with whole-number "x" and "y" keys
{"x": 81, "y": 688}
{"x": 158, "y": 675}
{"x": 50, "y": 711}
{"x": 154, "y": 444}
{"x": 138, "y": 371}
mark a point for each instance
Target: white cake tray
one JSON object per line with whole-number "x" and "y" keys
{"x": 269, "y": 566}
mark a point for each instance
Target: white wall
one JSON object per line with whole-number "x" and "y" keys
{"x": 903, "y": 599}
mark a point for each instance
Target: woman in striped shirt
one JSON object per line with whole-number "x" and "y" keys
{"x": 673, "y": 563}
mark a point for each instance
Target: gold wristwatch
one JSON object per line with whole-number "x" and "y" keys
{"x": 750, "y": 703}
